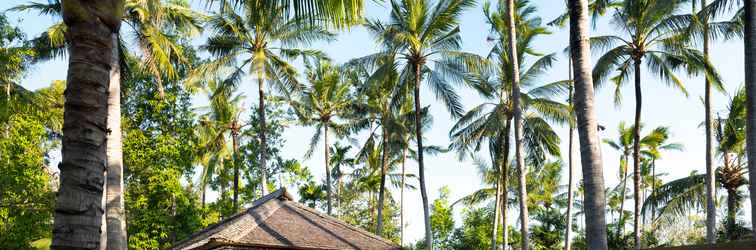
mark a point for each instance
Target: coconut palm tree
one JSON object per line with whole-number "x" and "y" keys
{"x": 656, "y": 142}
{"x": 649, "y": 39}
{"x": 246, "y": 40}
{"x": 154, "y": 33}
{"x": 424, "y": 36}
{"x": 678, "y": 197}
{"x": 327, "y": 100}
{"x": 78, "y": 213}
{"x": 223, "y": 121}
{"x": 624, "y": 145}
{"x": 587, "y": 125}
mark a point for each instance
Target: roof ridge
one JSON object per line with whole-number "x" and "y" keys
{"x": 342, "y": 223}
{"x": 281, "y": 192}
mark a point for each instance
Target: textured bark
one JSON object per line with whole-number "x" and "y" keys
{"x": 636, "y": 154}
{"x": 523, "y": 192}
{"x": 587, "y": 126}
{"x": 115, "y": 210}
{"x": 327, "y": 169}
{"x": 420, "y": 164}
{"x": 382, "y": 192}
{"x": 570, "y": 167}
{"x": 78, "y": 211}
{"x": 750, "y": 82}
{"x": 711, "y": 213}
{"x": 505, "y": 185}
{"x": 263, "y": 141}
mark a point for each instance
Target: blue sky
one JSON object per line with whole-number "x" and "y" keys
{"x": 663, "y": 106}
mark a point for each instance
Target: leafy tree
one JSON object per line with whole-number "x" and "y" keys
{"x": 16, "y": 55}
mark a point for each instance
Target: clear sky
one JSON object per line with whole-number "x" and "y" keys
{"x": 663, "y": 106}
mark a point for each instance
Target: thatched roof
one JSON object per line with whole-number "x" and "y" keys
{"x": 277, "y": 222}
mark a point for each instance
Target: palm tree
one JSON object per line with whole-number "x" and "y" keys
{"x": 422, "y": 34}
{"x": 484, "y": 124}
{"x": 750, "y": 83}
{"x": 686, "y": 194}
{"x": 222, "y": 121}
{"x": 623, "y": 144}
{"x": 154, "y": 31}
{"x": 587, "y": 125}
{"x": 78, "y": 216}
{"x": 649, "y": 39}
{"x": 655, "y": 142}
{"x": 322, "y": 104}
{"x": 249, "y": 41}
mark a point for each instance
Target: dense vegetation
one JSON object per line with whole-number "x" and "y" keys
{"x": 185, "y": 164}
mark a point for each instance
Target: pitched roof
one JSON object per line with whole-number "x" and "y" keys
{"x": 275, "y": 221}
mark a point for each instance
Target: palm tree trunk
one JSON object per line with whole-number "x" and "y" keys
{"x": 653, "y": 187}
{"x": 329, "y": 209}
{"x": 620, "y": 221}
{"x": 235, "y": 139}
{"x": 636, "y": 154}
{"x": 116, "y": 213}
{"x": 568, "y": 229}
{"x": 523, "y": 193}
{"x": 750, "y": 82}
{"x": 420, "y": 164}
{"x": 263, "y": 132}
{"x": 78, "y": 213}
{"x": 731, "y": 213}
{"x": 505, "y": 184}
{"x": 382, "y": 192}
{"x": 495, "y": 223}
{"x": 711, "y": 216}
{"x": 401, "y": 196}
{"x": 587, "y": 126}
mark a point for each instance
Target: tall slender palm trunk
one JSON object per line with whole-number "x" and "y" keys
{"x": 78, "y": 212}
{"x": 636, "y": 155}
{"x": 495, "y": 222}
{"x": 523, "y": 192}
{"x": 620, "y": 221}
{"x": 329, "y": 209}
{"x": 382, "y": 192}
{"x": 750, "y": 82}
{"x": 401, "y": 196}
{"x": 235, "y": 139}
{"x": 711, "y": 216}
{"x": 114, "y": 208}
{"x": 568, "y": 229}
{"x": 263, "y": 133}
{"x": 587, "y": 126}
{"x": 420, "y": 164}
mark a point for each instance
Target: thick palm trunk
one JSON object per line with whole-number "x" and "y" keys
{"x": 568, "y": 229}
{"x": 420, "y": 164}
{"x": 505, "y": 185}
{"x": 263, "y": 140}
{"x": 750, "y": 82}
{"x": 382, "y": 192}
{"x": 401, "y": 196}
{"x": 711, "y": 217}
{"x": 587, "y": 126}
{"x": 235, "y": 139}
{"x": 495, "y": 222}
{"x": 116, "y": 213}
{"x": 327, "y": 169}
{"x": 636, "y": 155}
{"x": 523, "y": 193}
{"x": 731, "y": 213}
{"x": 78, "y": 211}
